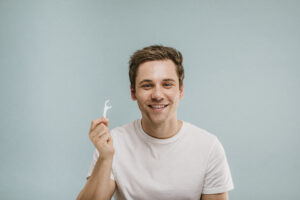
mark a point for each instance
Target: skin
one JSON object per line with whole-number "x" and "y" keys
{"x": 99, "y": 185}
{"x": 220, "y": 196}
{"x": 157, "y": 84}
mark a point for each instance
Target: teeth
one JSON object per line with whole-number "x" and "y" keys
{"x": 158, "y": 106}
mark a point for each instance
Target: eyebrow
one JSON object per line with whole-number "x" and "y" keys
{"x": 169, "y": 79}
{"x": 145, "y": 81}
{"x": 150, "y": 81}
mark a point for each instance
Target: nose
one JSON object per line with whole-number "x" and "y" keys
{"x": 157, "y": 94}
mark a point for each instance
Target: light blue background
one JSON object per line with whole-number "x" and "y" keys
{"x": 61, "y": 59}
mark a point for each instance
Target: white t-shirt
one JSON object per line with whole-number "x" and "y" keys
{"x": 189, "y": 164}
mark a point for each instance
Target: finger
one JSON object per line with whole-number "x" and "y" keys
{"x": 103, "y": 139}
{"x": 98, "y": 121}
{"x": 99, "y": 130}
{"x": 110, "y": 140}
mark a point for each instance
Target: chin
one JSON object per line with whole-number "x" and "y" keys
{"x": 159, "y": 120}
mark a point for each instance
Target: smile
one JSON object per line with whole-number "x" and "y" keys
{"x": 158, "y": 107}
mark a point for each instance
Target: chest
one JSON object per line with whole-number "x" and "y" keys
{"x": 170, "y": 172}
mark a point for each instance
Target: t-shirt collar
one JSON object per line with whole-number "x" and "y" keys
{"x": 148, "y": 138}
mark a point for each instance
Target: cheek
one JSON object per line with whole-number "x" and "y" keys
{"x": 141, "y": 95}
{"x": 173, "y": 95}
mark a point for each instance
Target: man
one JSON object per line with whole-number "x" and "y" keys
{"x": 158, "y": 156}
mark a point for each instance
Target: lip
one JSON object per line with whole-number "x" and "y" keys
{"x": 158, "y": 107}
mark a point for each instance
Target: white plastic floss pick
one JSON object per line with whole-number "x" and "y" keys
{"x": 107, "y": 106}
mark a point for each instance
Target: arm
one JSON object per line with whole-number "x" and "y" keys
{"x": 218, "y": 179}
{"x": 99, "y": 185}
{"x": 220, "y": 196}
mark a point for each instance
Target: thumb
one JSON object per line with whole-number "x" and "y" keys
{"x": 105, "y": 121}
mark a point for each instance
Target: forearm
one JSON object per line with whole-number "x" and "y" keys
{"x": 98, "y": 185}
{"x": 220, "y": 196}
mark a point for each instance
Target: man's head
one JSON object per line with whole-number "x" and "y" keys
{"x": 153, "y": 53}
{"x": 156, "y": 76}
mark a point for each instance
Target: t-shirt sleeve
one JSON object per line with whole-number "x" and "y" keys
{"x": 95, "y": 158}
{"x": 218, "y": 176}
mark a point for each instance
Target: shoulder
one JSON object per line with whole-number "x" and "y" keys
{"x": 198, "y": 133}
{"x": 125, "y": 138}
{"x": 125, "y": 131}
{"x": 198, "y": 138}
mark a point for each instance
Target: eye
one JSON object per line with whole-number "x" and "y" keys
{"x": 168, "y": 85}
{"x": 146, "y": 86}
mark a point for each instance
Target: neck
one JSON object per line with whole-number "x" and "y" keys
{"x": 162, "y": 130}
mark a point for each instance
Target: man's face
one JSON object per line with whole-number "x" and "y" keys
{"x": 157, "y": 91}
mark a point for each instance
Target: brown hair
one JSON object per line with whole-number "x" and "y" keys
{"x": 151, "y": 53}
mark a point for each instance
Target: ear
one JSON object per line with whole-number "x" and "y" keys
{"x": 132, "y": 93}
{"x": 181, "y": 92}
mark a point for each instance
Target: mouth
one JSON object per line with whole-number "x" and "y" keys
{"x": 158, "y": 107}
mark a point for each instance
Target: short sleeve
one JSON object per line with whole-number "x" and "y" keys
{"x": 95, "y": 158}
{"x": 218, "y": 176}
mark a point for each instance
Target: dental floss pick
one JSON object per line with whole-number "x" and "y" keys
{"x": 107, "y": 106}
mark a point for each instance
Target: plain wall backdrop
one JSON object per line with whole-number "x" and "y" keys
{"x": 60, "y": 60}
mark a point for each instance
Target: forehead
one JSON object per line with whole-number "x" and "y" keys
{"x": 158, "y": 69}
